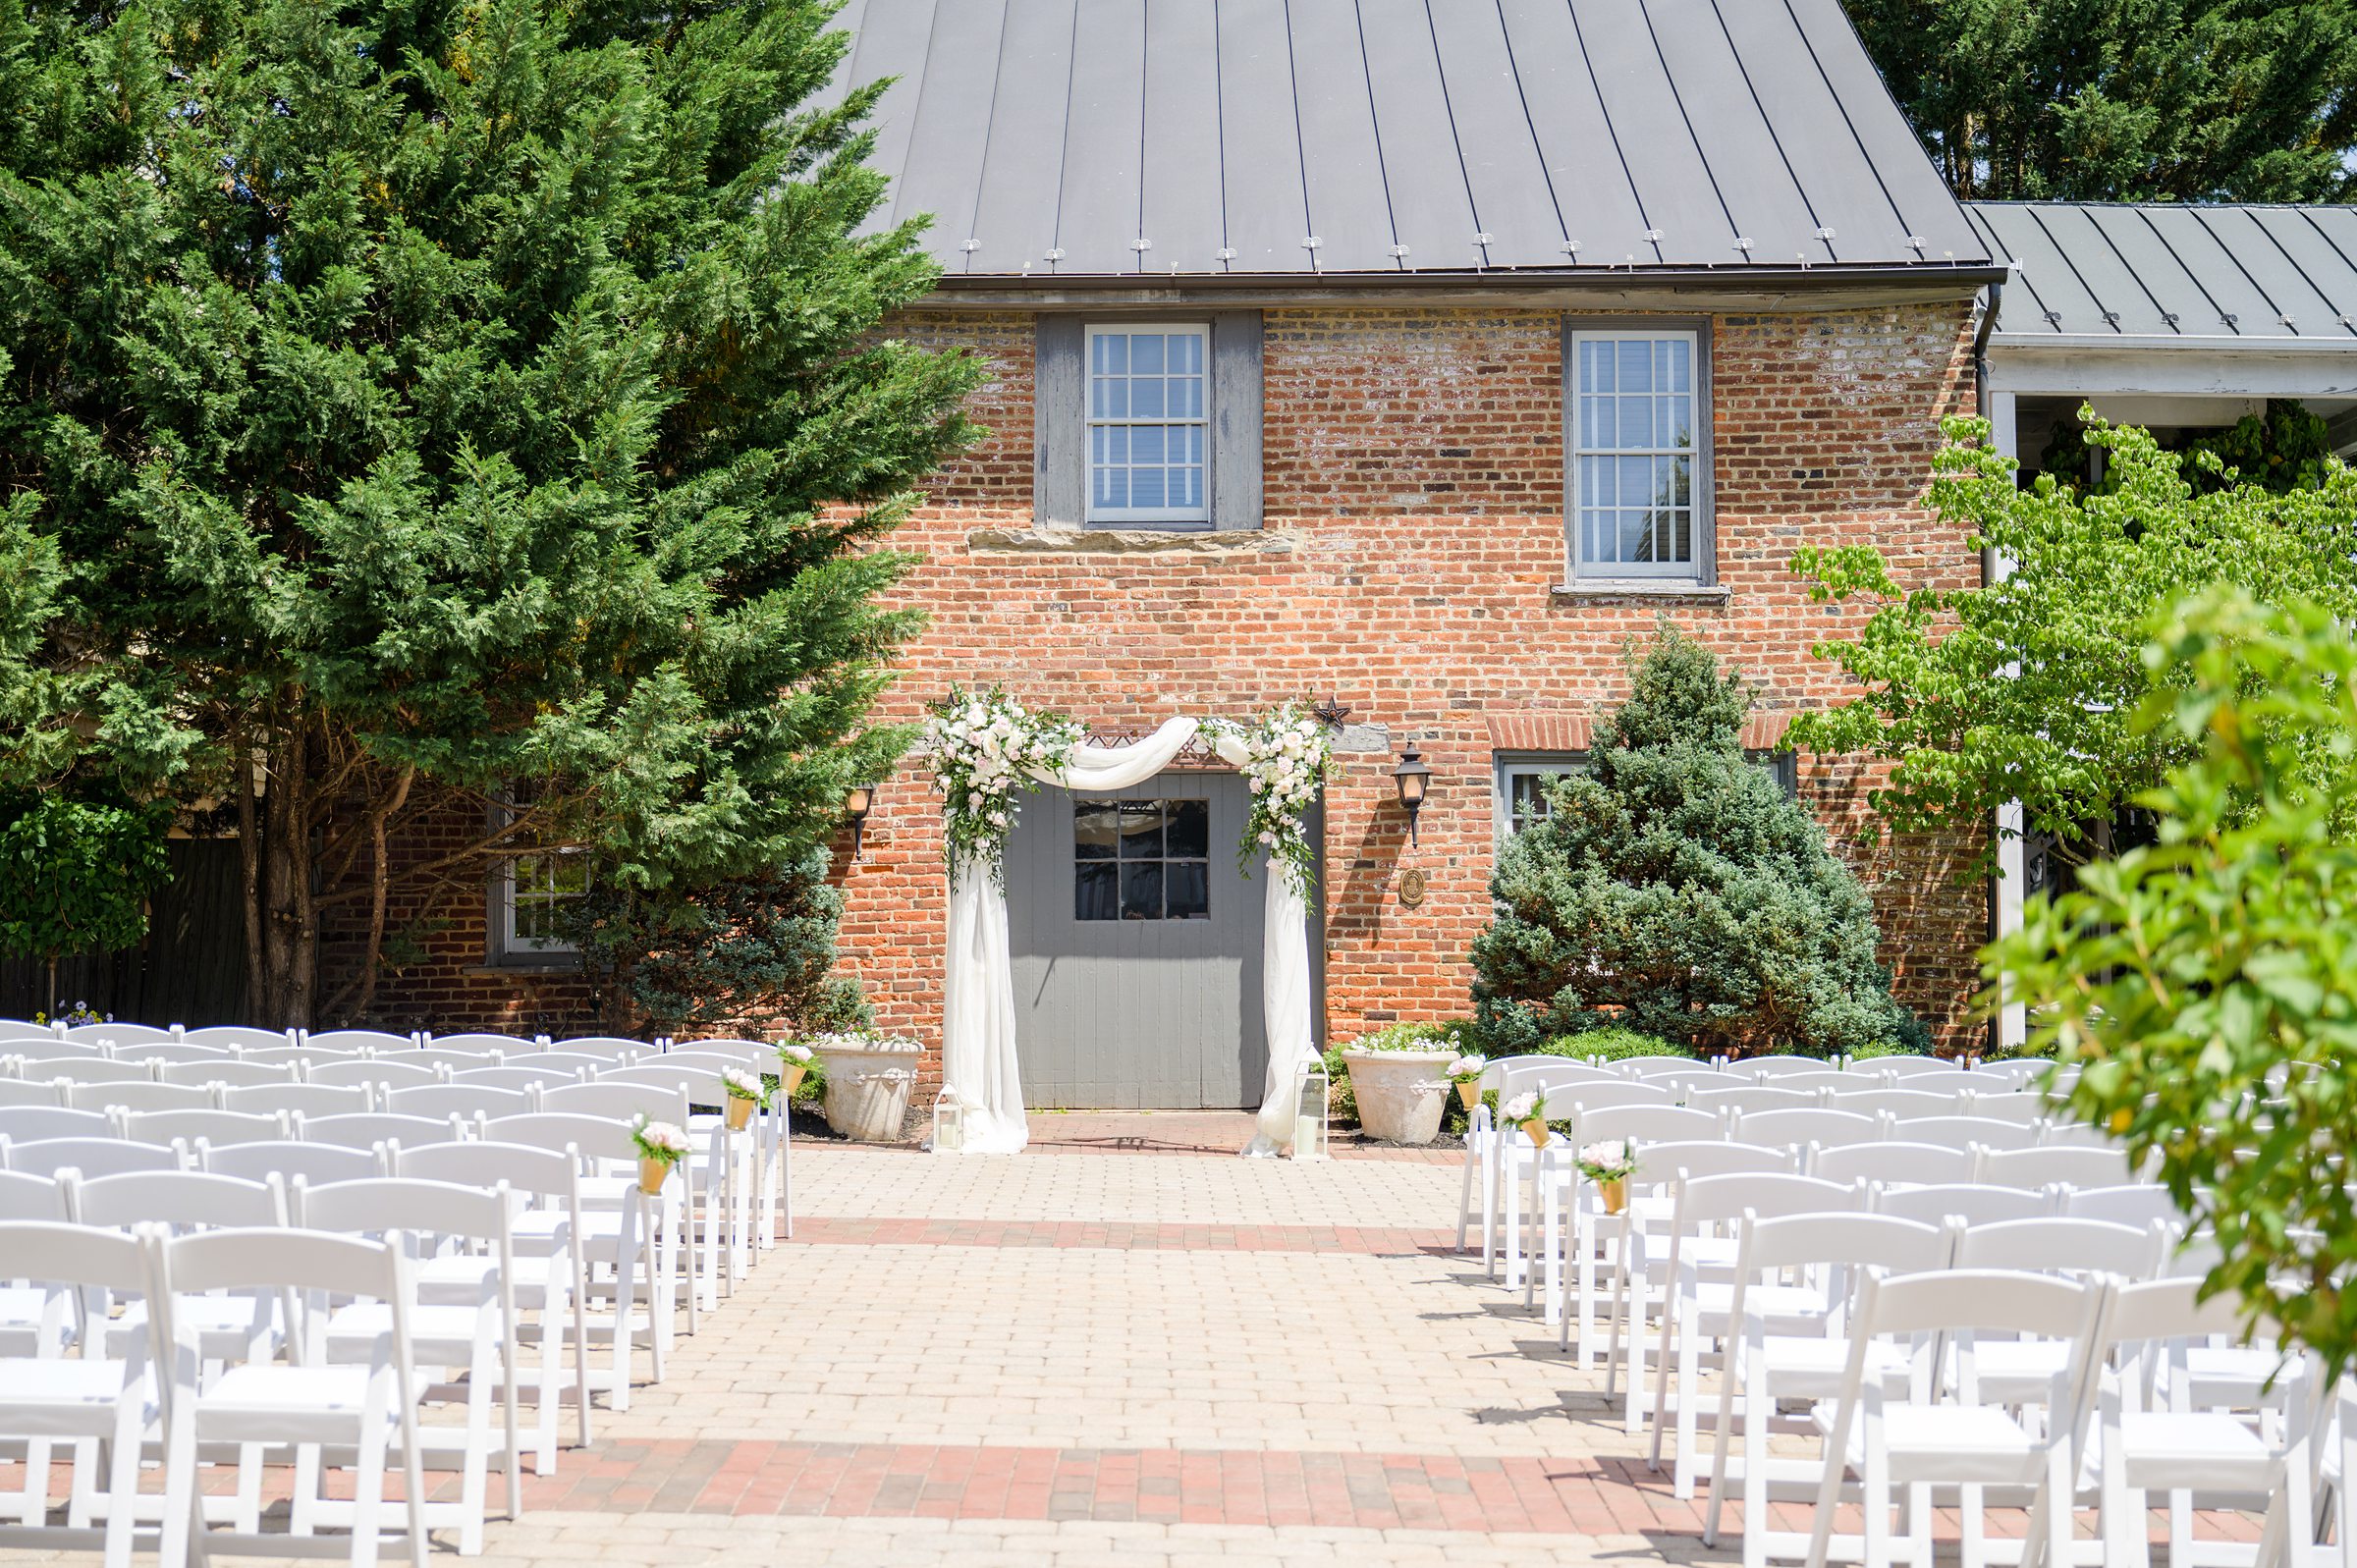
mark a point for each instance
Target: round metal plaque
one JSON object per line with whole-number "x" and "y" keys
{"x": 1411, "y": 888}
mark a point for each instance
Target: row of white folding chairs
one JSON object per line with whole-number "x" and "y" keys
{"x": 730, "y": 1172}
{"x": 1924, "y": 1358}
{"x": 259, "y": 1336}
{"x": 1595, "y": 1115}
{"x": 1569, "y": 1219}
{"x": 586, "y": 1159}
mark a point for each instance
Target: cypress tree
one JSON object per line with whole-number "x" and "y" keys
{"x": 470, "y": 405}
{"x": 1673, "y": 888}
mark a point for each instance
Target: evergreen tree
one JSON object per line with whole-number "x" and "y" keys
{"x": 1675, "y": 888}
{"x": 2125, "y": 100}
{"x": 470, "y": 404}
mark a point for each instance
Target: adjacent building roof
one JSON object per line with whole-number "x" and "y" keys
{"x": 2262, "y": 277}
{"x": 1073, "y": 139}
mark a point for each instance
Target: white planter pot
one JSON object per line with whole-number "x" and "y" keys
{"x": 867, "y": 1090}
{"x": 1401, "y": 1093}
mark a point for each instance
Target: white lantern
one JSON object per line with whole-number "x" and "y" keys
{"x": 1312, "y": 1095}
{"x": 949, "y": 1122}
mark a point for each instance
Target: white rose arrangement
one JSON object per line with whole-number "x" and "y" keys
{"x": 1289, "y": 757}
{"x": 1467, "y": 1068}
{"x": 986, "y": 749}
{"x": 659, "y": 1140}
{"x": 1612, "y": 1160}
{"x": 1528, "y": 1106}
{"x": 795, "y": 1055}
{"x": 744, "y": 1085}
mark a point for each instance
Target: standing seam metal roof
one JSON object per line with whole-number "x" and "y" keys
{"x": 1099, "y": 138}
{"x": 2258, "y": 274}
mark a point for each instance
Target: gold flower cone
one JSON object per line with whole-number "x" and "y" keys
{"x": 1538, "y": 1132}
{"x": 741, "y": 1112}
{"x": 651, "y": 1173}
{"x": 1469, "y": 1090}
{"x": 1614, "y": 1194}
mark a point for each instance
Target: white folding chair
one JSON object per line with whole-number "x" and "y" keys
{"x": 550, "y": 1273}
{"x": 14, "y": 1091}
{"x": 1564, "y": 1085}
{"x": 1603, "y": 1245}
{"x": 119, "y": 1034}
{"x": 379, "y": 1127}
{"x": 1945, "y": 1079}
{"x": 92, "y": 1157}
{"x": 2007, "y": 1369}
{"x": 306, "y": 1100}
{"x": 2016, "y": 1073}
{"x": 1940, "y": 1437}
{"x": 311, "y": 1402}
{"x": 219, "y": 1128}
{"x": 238, "y": 1037}
{"x": 1772, "y": 1069}
{"x": 358, "y": 1040}
{"x": 1644, "y": 1067}
{"x": 446, "y": 1059}
{"x": 1818, "y": 1080}
{"x": 1755, "y": 1096}
{"x": 1696, "y": 1293}
{"x": 465, "y": 1102}
{"x": 520, "y": 1077}
{"x": 1788, "y": 1309}
{"x": 86, "y": 1400}
{"x": 33, "y": 1320}
{"x": 227, "y": 1072}
{"x": 1776, "y": 1129}
{"x": 376, "y": 1071}
{"x": 481, "y": 1044}
{"x": 1559, "y": 1191}
{"x": 316, "y": 1162}
{"x": 730, "y": 1169}
{"x": 2156, "y": 1433}
{"x": 1964, "y": 1132}
{"x": 1479, "y": 1166}
{"x": 635, "y": 1238}
{"x": 174, "y": 1052}
{"x": 1963, "y": 1202}
{"x": 2138, "y": 1204}
{"x": 303, "y": 1057}
{"x": 624, "y": 1103}
{"x": 1899, "y": 1103}
{"x": 471, "y": 1226}
{"x": 1905, "y": 1070}
{"x": 2019, "y": 1105}
{"x": 131, "y": 1096}
{"x": 2073, "y": 1135}
{"x": 611, "y": 1049}
{"x": 2041, "y": 1168}
{"x": 1893, "y": 1164}
{"x": 29, "y": 1123}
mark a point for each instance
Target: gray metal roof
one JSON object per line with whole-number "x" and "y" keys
{"x": 2262, "y": 276}
{"x": 1065, "y": 138}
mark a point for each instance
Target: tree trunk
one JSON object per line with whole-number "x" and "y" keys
{"x": 379, "y": 879}
{"x": 250, "y": 862}
{"x": 289, "y": 946}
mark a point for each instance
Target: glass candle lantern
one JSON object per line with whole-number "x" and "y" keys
{"x": 949, "y": 1123}
{"x": 1312, "y": 1095}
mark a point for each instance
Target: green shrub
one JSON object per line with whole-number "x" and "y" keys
{"x": 1889, "y": 1047}
{"x": 1613, "y": 1043}
{"x": 1341, "y": 1101}
{"x": 1675, "y": 888}
{"x": 1452, "y": 1033}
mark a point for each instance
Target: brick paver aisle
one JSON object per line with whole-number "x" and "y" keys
{"x": 1083, "y": 1357}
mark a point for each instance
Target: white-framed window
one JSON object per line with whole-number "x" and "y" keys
{"x": 1522, "y": 788}
{"x": 1522, "y": 779}
{"x": 531, "y": 891}
{"x": 1639, "y": 480}
{"x": 1148, "y": 422}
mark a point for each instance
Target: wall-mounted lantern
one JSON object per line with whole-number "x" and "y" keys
{"x": 857, "y": 802}
{"x": 1413, "y": 780}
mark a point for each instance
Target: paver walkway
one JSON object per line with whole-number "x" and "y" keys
{"x": 1139, "y": 1360}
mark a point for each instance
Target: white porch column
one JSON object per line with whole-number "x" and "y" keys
{"x": 2012, "y": 1023}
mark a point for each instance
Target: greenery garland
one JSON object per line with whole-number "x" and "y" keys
{"x": 1288, "y": 756}
{"x": 985, "y": 749}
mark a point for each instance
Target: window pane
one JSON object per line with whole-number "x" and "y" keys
{"x": 1145, "y": 400}
{"x": 1113, "y": 399}
{"x": 1142, "y": 829}
{"x": 1112, "y": 353}
{"x": 1145, "y": 444}
{"x": 1678, "y": 485}
{"x": 1635, "y": 371}
{"x": 1186, "y": 354}
{"x": 1189, "y": 827}
{"x": 1093, "y": 888}
{"x": 1683, "y": 530}
{"x": 1598, "y": 429}
{"x": 1636, "y": 536}
{"x": 1678, "y": 416}
{"x": 1145, "y": 353}
{"x": 1094, "y": 832}
{"x": 1187, "y": 886}
{"x": 1146, "y": 488}
{"x": 1681, "y": 365}
{"x": 1187, "y": 398}
{"x": 1142, "y": 890}
{"x": 1187, "y": 488}
{"x": 1636, "y": 422}
{"x": 1112, "y": 487}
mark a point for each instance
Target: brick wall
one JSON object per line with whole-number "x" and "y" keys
{"x": 1413, "y": 477}
{"x": 1413, "y": 473}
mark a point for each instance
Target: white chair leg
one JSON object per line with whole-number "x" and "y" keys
{"x": 1689, "y": 1374}
{"x": 1919, "y": 1525}
{"x": 181, "y": 1519}
{"x": 122, "y": 1485}
{"x": 369, "y": 1493}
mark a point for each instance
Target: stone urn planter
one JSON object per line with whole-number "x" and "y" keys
{"x": 868, "y": 1082}
{"x": 1401, "y": 1093}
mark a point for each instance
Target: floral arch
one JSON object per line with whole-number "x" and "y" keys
{"x": 987, "y": 751}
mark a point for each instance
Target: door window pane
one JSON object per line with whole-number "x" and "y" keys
{"x": 1141, "y": 860}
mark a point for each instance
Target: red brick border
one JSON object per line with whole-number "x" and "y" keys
{"x": 1141, "y": 1236}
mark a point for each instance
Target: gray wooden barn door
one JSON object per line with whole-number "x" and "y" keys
{"x": 1136, "y": 947}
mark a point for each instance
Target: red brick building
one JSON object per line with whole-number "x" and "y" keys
{"x": 1410, "y": 358}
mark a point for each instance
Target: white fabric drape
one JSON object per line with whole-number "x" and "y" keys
{"x": 978, "y": 1058}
